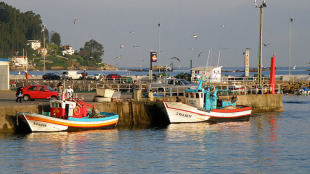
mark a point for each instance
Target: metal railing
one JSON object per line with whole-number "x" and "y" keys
{"x": 225, "y": 90}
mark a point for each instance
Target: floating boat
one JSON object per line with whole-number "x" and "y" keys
{"x": 70, "y": 115}
{"x": 204, "y": 105}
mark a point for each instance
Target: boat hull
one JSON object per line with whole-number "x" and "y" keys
{"x": 183, "y": 113}
{"x": 42, "y": 123}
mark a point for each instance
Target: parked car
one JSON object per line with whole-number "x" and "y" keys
{"x": 51, "y": 76}
{"x": 39, "y": 92}
{"x": 72, "y": 75}
{"x": 172, "y": 85}
{"x": 113, "y": 76}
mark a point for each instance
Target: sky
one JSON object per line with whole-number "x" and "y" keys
{"x": 222, "y": 27}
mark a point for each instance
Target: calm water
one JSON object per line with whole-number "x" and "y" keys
{"x": 268, "y": 143}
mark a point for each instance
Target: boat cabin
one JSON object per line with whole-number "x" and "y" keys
{"x": 66, "y": 109}
{"x": 206, "y": 99}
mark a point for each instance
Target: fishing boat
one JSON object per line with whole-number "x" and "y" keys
{"x": 203, "y": 104}
{"x": 71, "y": 115}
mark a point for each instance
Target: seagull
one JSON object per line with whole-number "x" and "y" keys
{"x": 266, "y": 44}
{"x": 294, "y": 67}
{"x": 74, "y": 21}
{"x": 118, "y": 57}
{"x": 255, "y": 3}
{"x": 194, "y": 36}
{"x": 199, "y": 54}
{"x": 223, "y": 25}
{"x": 121, "y": 46}
{"x": 131, "y": 32}
{"x": 136, "y": 46}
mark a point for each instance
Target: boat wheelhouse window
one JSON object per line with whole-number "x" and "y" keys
{"x": 186, "y": 94}
{"x": 197, "y": 95}
{"x": 192, "y": 95}
{"x": 170, "y": 82}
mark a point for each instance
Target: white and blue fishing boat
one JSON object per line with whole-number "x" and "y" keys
{"x": 72, "y": 115}
{"x": 203, "y": 104}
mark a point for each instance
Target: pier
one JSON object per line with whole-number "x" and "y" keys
{"x": 132, "y": 113}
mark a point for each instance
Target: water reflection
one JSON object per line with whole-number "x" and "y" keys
{"x": 64, "y": 151}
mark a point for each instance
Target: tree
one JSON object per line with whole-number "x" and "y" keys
{"x": 95, "y": 50}
{"x": 55, "y": 38}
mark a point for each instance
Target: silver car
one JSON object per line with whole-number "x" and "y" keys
{"x": 175, "y": 86}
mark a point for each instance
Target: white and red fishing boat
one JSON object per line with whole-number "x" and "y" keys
{"x": 70, "y": 115}
{"x": 204, "y": 105}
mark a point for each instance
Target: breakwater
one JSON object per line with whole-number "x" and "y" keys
{"x": 136, "y": 113}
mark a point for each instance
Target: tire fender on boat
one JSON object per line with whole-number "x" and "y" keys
{"x": 77, "y": 111}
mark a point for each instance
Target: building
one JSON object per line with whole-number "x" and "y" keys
{"x": 34, "y": 44}
{"x": 19, "y": 61}
{"x": 213, "y": 72}
{"x": 4, "y": 74}
{"x": 67, "y": 49}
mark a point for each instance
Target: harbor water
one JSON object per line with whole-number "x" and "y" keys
{"x": 267, "y": 143}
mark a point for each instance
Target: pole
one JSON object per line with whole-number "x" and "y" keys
{"x": 260, "y": 46}
{"x": 159, "y": 47}
{"x": 190, "y": 67}
{"x": 290, "y": 48}
{"x": 44, "y": 48}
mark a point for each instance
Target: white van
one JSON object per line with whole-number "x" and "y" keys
{"x": 74, "y": 75}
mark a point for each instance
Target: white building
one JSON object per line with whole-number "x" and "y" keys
{"x": 34, "y": 44}
{"x": 67, "y": 49}
{"x": 4, "y": 74}
{"x": 213, "y": 72}
{"x": 19, "y": 61}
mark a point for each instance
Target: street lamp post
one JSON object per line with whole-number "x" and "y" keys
{"x": 43, "y": 30}
{"x": 290, "y": 46}
{"x": 159, "y": 47}
{"x": 260, "y": 43}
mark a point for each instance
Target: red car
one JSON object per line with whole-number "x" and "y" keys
{"x": 113, "y": 76}
{"x": 39, "y": 92}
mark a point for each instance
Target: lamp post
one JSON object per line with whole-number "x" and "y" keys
{"x": 159, "y": 47}
{"x": 290, "y": 46}
{"x": 260, "y": 43}
{"x": 43, "y": 30}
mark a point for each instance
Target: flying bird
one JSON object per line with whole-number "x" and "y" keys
{"x": 266, "y": 44}
{"x": 223, "y": 25}
{"x": 136, "y": 46}
{"x": 294, "y": 67}
{"x": 255, "y": 3}
{"x": 118, "y": 57}
{"x": 176, "y": 59}
{"x": 199, "y": 54}
{"x": 74, "y": 21}
{"x": 131, "y": 32}
{"x": 121, "y": 46}
{"x": 195, "y": 36}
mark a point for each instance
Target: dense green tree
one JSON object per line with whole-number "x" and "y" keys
{"x": 16, "y": 28}
{"x": 55, "y": 38}
{"x": 95, "y": 50}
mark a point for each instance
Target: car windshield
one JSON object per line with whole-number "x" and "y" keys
{"x": 185, "y": 82}
{"x": 50, "y": 89}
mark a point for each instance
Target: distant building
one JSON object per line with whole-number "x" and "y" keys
{"x": 4, "y": 74}
{"x": 34, "y": 44}
{"x": 19, "y": 61}
{"x": 67, "y": 49}
{"x": 213, "y": 72}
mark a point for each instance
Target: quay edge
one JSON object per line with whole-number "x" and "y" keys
{"x": 137, "y": 113}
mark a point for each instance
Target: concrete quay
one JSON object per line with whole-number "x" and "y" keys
{"x": 132, "y": 113}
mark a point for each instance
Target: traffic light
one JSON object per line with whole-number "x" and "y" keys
{"x": 153, "y": 56}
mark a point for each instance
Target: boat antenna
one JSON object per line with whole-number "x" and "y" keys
{"x": 218, "y": 60}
